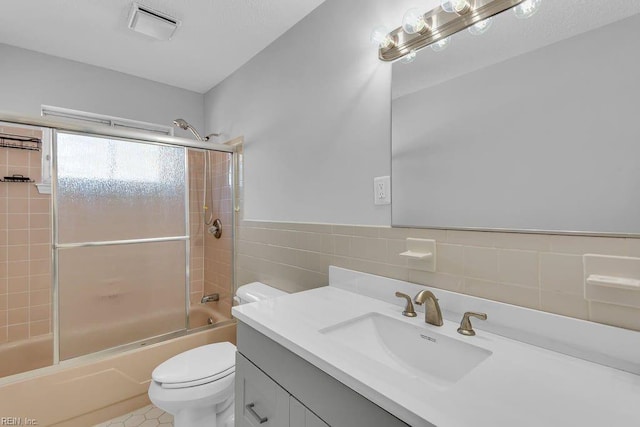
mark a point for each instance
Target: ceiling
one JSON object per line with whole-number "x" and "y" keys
{"x": 508, "y": 37}
{"x": 216, "y": 36}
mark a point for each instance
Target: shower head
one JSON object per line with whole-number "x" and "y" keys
{"x": 182, "y": 124}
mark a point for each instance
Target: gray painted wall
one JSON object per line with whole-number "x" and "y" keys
{"x": 29, "y": 79}
{"x": 314, "y": 108}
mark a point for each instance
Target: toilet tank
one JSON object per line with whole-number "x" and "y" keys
{"x": 256, "y": 291}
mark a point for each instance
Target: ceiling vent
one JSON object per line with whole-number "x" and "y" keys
{"x": 152, "y": 23}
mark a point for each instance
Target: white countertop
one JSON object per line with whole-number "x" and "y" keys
{"x": 518, "y": 385}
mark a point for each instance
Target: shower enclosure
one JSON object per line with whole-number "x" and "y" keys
{"x": 131, "y": 247}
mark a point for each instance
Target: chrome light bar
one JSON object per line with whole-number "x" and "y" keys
{"x": 441, "y": 24}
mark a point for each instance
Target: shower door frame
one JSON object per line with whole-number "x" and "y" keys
{"x": 57, "y": 246}
{"x": 135, "y": 136}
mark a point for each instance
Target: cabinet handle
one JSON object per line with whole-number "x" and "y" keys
{"x": 253, "y": 412}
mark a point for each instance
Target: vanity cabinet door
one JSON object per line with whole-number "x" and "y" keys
{"x": 260, "y": 402}
{"x": 300, "y": 416}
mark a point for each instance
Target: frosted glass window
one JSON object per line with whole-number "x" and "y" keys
{"x": 119, "y": 161}
{"x": 115, "y": 295}
{"x": 111, "y": 189}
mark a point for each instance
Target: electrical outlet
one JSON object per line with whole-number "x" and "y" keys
{"x": 382, "y": 190}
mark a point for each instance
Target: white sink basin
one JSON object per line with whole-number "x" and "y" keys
{"x": 411, "y": 349}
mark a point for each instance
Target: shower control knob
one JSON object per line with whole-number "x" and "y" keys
{"x": 216, "y": 228}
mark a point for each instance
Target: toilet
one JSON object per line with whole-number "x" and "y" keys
{"x": 197, "y": 386}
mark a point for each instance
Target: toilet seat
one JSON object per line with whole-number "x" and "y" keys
{"x": 197, "y": 366}
{"x": 201, "y": 381}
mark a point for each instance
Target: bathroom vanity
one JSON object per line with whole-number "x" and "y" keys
{"x": 289, "y": 391}
{"x": 344, "y": 355}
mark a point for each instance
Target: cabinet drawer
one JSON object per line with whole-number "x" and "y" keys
{"x": 260, "y": 402}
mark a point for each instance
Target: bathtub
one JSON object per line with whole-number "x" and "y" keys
{"x": 25, "y": 355}
{"x": 101, "y": 386}
{"x": 37, "y": 352}
{"x": 202, "y": 315}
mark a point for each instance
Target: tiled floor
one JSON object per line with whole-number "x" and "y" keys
{"x": 149, "y": 416}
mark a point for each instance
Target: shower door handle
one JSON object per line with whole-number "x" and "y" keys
{"x": 261, "y": 420}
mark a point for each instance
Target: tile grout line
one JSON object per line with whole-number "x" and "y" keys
{"x": 122, "y": 420}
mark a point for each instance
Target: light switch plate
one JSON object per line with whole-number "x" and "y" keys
{"x": 382, "y": 190}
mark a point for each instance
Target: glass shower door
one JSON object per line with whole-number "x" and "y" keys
{"x": 121, "y": 241}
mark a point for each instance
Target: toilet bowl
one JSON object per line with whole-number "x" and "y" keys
{"x": 197, "y": 386}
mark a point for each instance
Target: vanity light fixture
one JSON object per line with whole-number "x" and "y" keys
{"x": 435, "y": 27}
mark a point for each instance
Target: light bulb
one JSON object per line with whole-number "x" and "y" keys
{"x": 527, "y": 9}
{"x": 441, "y": 44}
{"x": 481, "y": 27}
{"x": 456, "y": 6}
{"x": 381, "y": 38}
{"x": 410, "y": 57}
{"x": 446, "y": 6}
{"x": 413, "y": 21}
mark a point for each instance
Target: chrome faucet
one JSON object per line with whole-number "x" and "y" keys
{"x": 210, "y": 298}
{"x": 432, "y": 313}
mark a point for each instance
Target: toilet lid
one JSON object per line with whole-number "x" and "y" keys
{"x": 197, "y": 366}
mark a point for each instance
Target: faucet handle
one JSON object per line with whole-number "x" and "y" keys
{"x": 465, "y": 326}
{"x": 408, "y": 310}
{"x": 210, "y": 298}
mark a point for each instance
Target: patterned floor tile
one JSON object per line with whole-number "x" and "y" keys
{"x": 149, "y": 416}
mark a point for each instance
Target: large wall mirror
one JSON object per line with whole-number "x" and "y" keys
{"x": 531, "y": 126}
